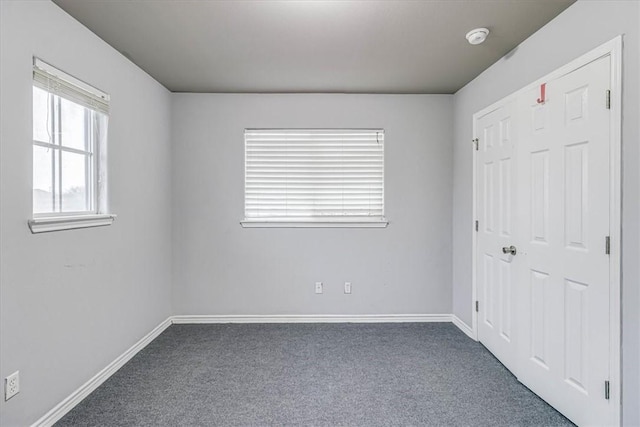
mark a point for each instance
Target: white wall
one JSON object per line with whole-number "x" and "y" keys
{"x": 72, "y": 301}
{"x": 582, "y": 27}
{"x": 221, "y": 268}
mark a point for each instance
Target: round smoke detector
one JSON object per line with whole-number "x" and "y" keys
{"x": 477, "y": 36}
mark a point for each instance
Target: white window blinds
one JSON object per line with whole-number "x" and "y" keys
{"x": 62, "y": 84}
{"x": 314, "y": 175}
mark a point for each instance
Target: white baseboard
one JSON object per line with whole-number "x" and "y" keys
{"x": 61, "y": 409}
{"x": 320, "y": 318}
{"x": 463, "y": 326}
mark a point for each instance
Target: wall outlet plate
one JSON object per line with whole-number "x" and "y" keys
{"x": 347, "y": 287}
{"x": 318, "y": 287}
{"x": 11, "y": 385}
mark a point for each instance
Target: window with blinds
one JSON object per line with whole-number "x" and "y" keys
{"x": 314, "y": 176}
{"x": 69, "y": 140}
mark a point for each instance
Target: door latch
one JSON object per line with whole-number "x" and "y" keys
{"x": 509, "y": 250}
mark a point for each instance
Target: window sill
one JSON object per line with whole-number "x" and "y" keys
{"x": 314, "y": 224}
{"x": 44, "y": 225}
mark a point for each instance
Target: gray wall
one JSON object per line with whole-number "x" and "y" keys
{"x": 582, "y": 27}
{"x": 221, "y": 268}
{"x": 72, "y": 301}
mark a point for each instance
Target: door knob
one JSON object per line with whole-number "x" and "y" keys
{"x": 509, "y": 250}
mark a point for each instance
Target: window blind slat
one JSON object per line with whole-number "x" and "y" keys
{"x": 308, "y": 174}
{"x": 309, "y": 199}
{"x": 309, "y": 162}
{"x": 314, "y": 186}
{"x": 59, "y": 83}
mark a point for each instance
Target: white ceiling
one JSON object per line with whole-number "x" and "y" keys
{"x": 312, "y": 46}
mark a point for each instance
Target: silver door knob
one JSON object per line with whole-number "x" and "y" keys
{"x": 509, "y": 250}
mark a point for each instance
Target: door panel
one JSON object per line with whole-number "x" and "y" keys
{"x": 563, "y": 178}
{"x": 539, "y": 183}
{"x": 496, "y": 175}
{"x": 539, "y": 319}
{"x": 505, "y": 300}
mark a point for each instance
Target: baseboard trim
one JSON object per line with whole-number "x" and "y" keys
{"x": 463, "y": 326}
{"x": 61, "y": 409}
{"x": 303, "y": 318}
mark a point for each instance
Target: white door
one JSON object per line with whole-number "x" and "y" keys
{"x": 496, "y": 207}
{"x": 563, "y": 282}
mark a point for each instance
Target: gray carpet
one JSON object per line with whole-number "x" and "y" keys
{"x": 313, "y": 375}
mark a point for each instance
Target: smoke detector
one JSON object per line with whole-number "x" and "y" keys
{"x": 477, "y": 36}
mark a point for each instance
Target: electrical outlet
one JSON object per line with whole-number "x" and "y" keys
{"x": 12, "y": 385}
{"x": 347, "y": 287}
{"x": 318, "y": 287}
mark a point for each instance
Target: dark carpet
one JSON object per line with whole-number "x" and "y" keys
{"x": 397, "y": 374}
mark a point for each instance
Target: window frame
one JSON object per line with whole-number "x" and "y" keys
{"x": 94, "y": 160}
{"x": 91, "y": 156}
{"x": 328, "y": 221}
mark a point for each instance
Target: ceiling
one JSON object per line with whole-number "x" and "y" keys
{"x": 312, "y": 46}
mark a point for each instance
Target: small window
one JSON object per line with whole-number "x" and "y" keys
{"x": 69, "y": 144}
{"x": 314, "y": 178}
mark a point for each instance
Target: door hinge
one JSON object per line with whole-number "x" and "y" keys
{"x": 477, "y": 306}
{"x": 607, "y": 245}
{"x": 476, "y": 143}
{"x": 477, "y": 226}
{"x": 606, "y": 390}
{"x": 608, "y": 99}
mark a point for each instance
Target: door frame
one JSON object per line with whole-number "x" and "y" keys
{"x": 613, "y": 49}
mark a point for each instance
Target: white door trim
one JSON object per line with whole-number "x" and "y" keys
{"x": 612, "y": 48}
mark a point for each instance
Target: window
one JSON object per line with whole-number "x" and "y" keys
{"x": 69, "y": 142}
{"x": 314, "y": 178}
